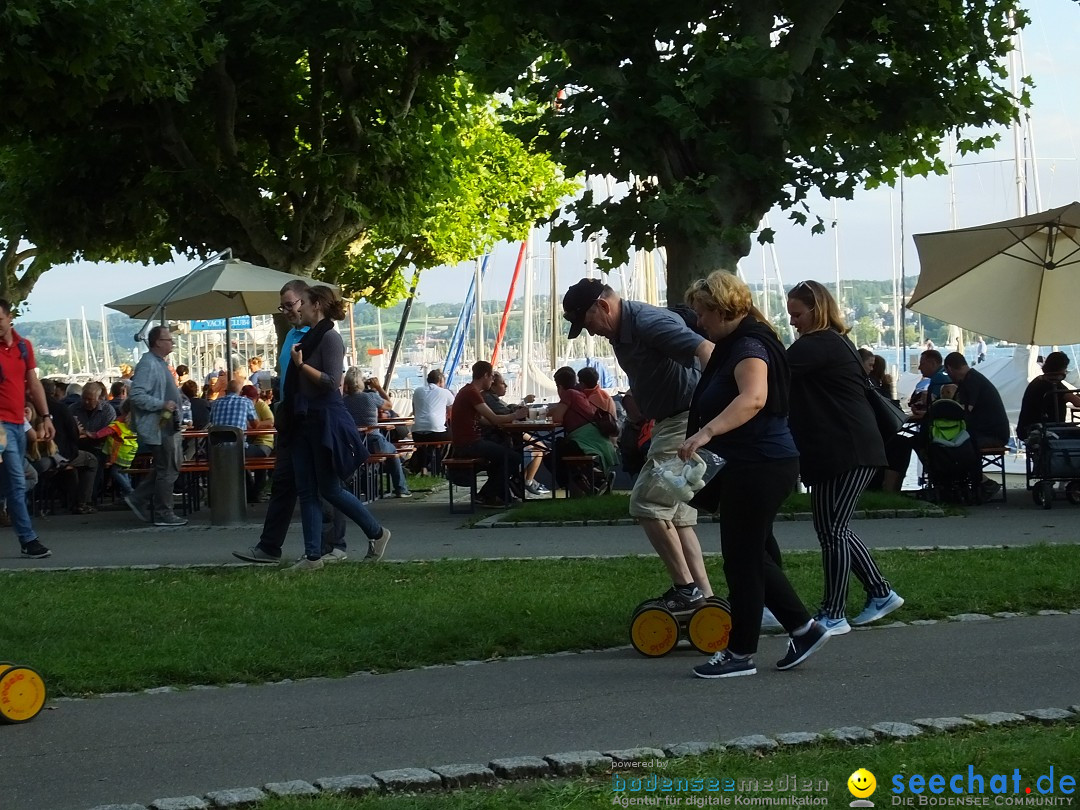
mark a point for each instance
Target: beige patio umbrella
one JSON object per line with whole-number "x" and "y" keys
{"x": 1017, "y": 280}
{"x": 222, "y": 290}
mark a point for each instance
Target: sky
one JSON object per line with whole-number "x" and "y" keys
{"x": 865, "y": 244}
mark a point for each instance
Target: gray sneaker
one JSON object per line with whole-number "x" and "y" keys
{"x": 256, "y": 555}
{"x": 137, "y": 510}
{"x": 334, "y": 555}
{"x": 170, "y": 519}
{"x": 377, "y": 547}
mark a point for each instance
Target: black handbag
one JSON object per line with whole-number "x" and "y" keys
{"x": 889, "y": 416}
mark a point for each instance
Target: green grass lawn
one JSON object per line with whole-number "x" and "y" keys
{"x": 1030, "y": 750}
{"x": 616, "y": 506}
{"x": 103, "y": 631}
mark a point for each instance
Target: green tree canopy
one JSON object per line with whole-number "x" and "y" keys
{"x": 305, "y": 136}
{"x": 711, "y": 114}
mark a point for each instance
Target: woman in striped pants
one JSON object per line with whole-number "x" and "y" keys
{"x": 840, "y": 449}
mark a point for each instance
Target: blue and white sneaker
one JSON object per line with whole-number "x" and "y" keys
{"x": 833, "y": 627}
{"x": 724, "y": 665}
{"x": 878, "y": 608}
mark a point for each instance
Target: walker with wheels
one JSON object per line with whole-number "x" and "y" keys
{"x": 22, "y": 693}
{"x": 655, "y": 630}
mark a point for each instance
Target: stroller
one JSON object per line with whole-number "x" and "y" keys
{"x": 950, "y": 457}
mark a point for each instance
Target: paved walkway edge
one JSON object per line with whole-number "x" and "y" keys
{"x": 578, "y": 763}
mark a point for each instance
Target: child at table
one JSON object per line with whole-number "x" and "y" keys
{"x": 120, "y": 446}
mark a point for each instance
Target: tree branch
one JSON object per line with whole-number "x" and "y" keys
{"x": 225, "y": 110}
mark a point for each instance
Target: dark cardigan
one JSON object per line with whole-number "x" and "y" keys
{"x": 833, "y": 424}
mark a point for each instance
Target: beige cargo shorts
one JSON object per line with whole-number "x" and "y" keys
{"x": 649, "y": 498}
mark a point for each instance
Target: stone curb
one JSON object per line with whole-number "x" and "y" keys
{"x": 495, "y": 522}
{"x": 573, "y": 763}
{"x": 960, "y": 617}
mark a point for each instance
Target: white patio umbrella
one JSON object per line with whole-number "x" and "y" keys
{"x": 1017, "y": 280}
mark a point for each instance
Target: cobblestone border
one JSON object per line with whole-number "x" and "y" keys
{"x": 577, "y": 763}
{"x": 496, "y": 522}
{"x": 164, "y": 690}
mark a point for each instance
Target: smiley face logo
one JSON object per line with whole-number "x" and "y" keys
{"x": 862, "y": 783}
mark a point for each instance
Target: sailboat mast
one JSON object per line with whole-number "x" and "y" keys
{"x": 554, "y": 317}
{"x": 71, "y": 347}
{"x": 106, "y": 358}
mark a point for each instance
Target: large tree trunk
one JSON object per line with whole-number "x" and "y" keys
{"x": 691, "y": 258}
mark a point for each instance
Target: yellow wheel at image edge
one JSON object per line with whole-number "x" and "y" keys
{"x": 654, "y": 631}
{"x": 22, "y": 694}
{"x": 709, "y": 628}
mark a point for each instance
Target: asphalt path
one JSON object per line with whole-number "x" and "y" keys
{"x": 137, "y": 748}
{"x": 142, "y": 747}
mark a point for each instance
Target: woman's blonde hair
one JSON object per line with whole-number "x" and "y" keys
{"x": 825, "y": 312}
{"x": 726, "y": 294}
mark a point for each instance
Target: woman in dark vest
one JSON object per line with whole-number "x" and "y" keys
{"x": 739, "y": 411}
{"x": 840, "y": 450}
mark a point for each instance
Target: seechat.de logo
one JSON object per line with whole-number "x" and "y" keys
{"x": 862, "y": 785}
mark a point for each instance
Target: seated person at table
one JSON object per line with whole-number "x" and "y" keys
{"x": 200, "y": 408}
{"x": 583, "y": 437}
{"x": 504, "y": 464}
{"x": 431, "y": 405}
{"x": 589, "y": 384}
{"x": 984, "y": 412}
{"x": 898, "y": 448}
{"x": 363, "y": 400}
{"x": 118, "y": 392}
{"x": 233, "y": 409}
{"x": 120, "y": 446}
{"x": 1045, "y": 396}
{"x": 493, "y": 397}
{"x": 260, "y": 446}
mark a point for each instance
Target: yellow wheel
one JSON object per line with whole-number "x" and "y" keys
{"x": 710, "y": 626}
{"x": 654, "y": 630}
{"x": 22, "y": 694}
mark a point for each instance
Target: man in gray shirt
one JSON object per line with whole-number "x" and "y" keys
{"x": 154, "y": 401}
{"x": 662, "y": 357}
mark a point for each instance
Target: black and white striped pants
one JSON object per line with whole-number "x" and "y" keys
{"x": 842, "y": 552}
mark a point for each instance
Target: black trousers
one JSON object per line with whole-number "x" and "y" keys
{"x": 750, "y": 496}
{"x": 504, "y": 467}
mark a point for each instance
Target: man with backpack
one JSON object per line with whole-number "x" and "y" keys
{"x": 663, "y": 358}
{"x": 18, "y": 383}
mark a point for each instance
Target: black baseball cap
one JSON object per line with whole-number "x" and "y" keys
{"x": 577, "y": 301}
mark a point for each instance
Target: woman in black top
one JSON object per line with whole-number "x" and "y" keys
{"x": 840, "y": 449}
{"x": 739, "y": 411}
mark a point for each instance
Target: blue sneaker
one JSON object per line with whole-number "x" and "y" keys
{"x": 878, "y": 608}
{"x": 833, "y": 627}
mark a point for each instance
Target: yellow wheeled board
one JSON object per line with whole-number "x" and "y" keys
{"x": 22, "y": 693}
{"x": 655, "y": 630}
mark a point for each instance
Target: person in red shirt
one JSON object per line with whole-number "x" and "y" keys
{"x": 18, "y": 383}
{"x": 589, "y": 384}
{"x": 504, "y": 464}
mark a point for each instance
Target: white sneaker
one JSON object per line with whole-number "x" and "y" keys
{"x": 534, "y": 487}
{"x": 304, "y": 564}
{"x": 334, "y": 555}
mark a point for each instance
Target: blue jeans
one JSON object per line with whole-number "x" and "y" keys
{"x": 316, "y": 478}
{"x": 378, "y": 443}
{"x": 121, "y": 480}
{"x": 13, "y": 479}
